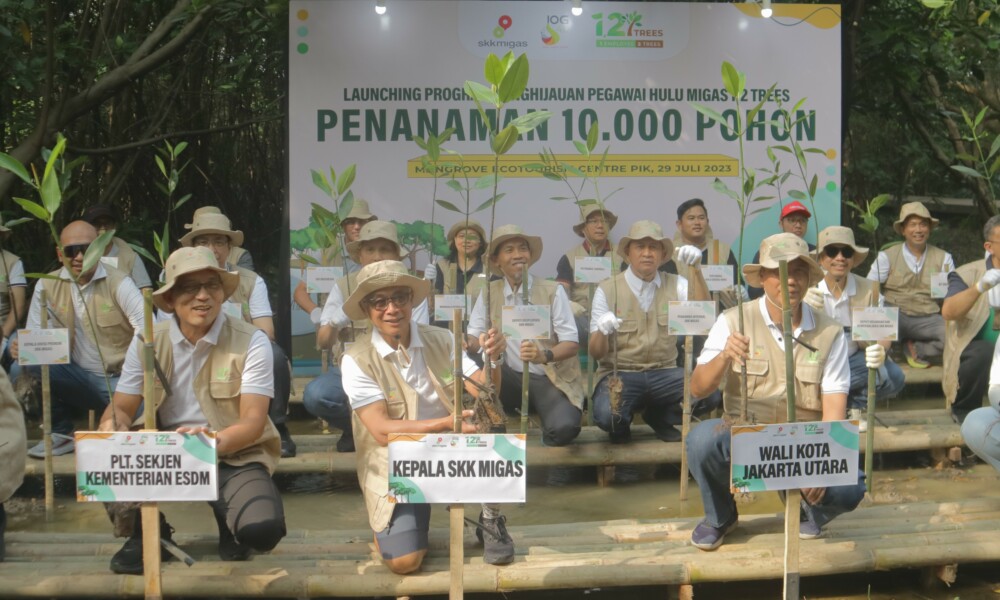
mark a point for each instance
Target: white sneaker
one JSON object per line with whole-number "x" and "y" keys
{"x": 856, "y": 414}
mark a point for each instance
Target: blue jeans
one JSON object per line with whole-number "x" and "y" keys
{"x": 888, "y": 382}
{"x": 981, "y": 432}
{"x": 74, "y": 391}
{"x": 657, "y": 392}
{"x": 324, "y": 397}
{"x": 708, "y": 446}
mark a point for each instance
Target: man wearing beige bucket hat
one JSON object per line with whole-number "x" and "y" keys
{"x": 555, "y": 384}
{"x": 249, "y": 302}
{"x": 595, "y": 228}
{"x": 837, "y": 295}
{"x": 220, "y": 374}
{"x": 630, "y": 310}
{"x": 324, "y": 397}
{"x": 238, "y": 255}
{"x": 822, "y": 381}
{"x": 397, "y": 377}
{"x": 905, "y": 271}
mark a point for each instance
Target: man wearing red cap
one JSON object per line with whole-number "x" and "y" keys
{"x": 794, "y": 219}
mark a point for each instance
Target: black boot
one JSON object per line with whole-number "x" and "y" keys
{"x": 3, "y": 530}
{"x": 128, "y": 560}
{"x": 229, "y": 548}
{"x": 288, "y": 447}
{"x": 346, "y": 441}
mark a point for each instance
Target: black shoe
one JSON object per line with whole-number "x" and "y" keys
{"x": 128, "y": 559}
{"x": 668, "y": 434}
{"x": 498, "y": 547}
{"x": 288, "y": 448}
{"x": 230, "y": 549}
{"x": 346, "y": 442}
{"x": 622, "y": 435}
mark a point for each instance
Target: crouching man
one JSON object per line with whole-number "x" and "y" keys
{"x": 220, "y": 374}
{"x": 396, "y": 379}
{"x": 822, "y": 381}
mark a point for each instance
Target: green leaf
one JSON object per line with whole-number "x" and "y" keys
{"x": 345, "y": 180}
{"x": 573, "y": 169}
{"x": 419, "y": 141}
{"x": 731, "y": 79}
{"x": 798, "y": 195}
{"x": 529, "y": 121}
{"x": 493, "y": 70}
{"x": 159, "y": 163}
{"x": 721, "y": 187}
{"x": 53, "y": 158}
{"x": 481, "y": 93}
{"x": 346, "y": 205}
{"x": 985, "y": 16}
{"x": 144, "y": 253}
{"x": 782, "y": 148}
{"x": 710, "y": 113}
{"x": 484, "y": 182}
{"x": 876, "y": 203}
{"x": 179, "y": 148}
{"x": 455, "y": 185}
{"x": 43, "y": 276}
{"x": 447, "y": 205}
{"x": 37, "y": 210}
{"x": 18, "y": 221}
{"x": 812, "y": 186}
{"x": 322, "y": 214}
{"x": 504, "y": 141}
{"x": 592, "y": 136}
{"x": 96, "y": 250}
{"x": 514, "y": 80}
{"x": 995, "y": 167}
{"x": 14, "y": 166}
{"x": 581, "y": 147}
{"x": 967, "y": 171}
{"x": 979, "y": 117}
{"x": 489, "y": 202}
{"x": 319, "y": 180}
{"x": 308, "y": 259}
{"x": 994, "y": 148}
{"x": 50, "y": 192}
{"x": 815, "y": 151}
{"x": 180, "y": 202}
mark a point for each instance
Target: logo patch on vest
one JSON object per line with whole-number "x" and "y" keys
{"x": 222, "y": 373}
{"x": 106, "y": 307}
{"x": 813, "y": 356}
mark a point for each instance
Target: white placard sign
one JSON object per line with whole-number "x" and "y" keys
{"x": 132, "y": 466}
{"x": 591, "y": 269}
{"x": 874, "y": 323}
{"x": 690, "y": 318}
{"x": 320, "y": 280}
{"x": 939, "y": 284}
{"x": 527, "y": 322}
{"x": 43, "y": 347}
{"x": 718, "y": 278}
{"x": 445, "y": 305}
{"x": 451, "y": 467}
{"x": 788, "y": 456}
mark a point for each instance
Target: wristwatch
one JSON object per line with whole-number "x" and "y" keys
{"x": 549, "y": 357}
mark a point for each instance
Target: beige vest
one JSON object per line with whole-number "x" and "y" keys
{"x": 580, "y": 292}
{"x": 235, "y": 252}
{"x": 726, "y": 298}
{"x": 9, "y": 260}
{"x": 248, "y": 279}
{"x": 449, "y": 272}
{"x": 217, "y": 386}
{"x": 958, "y": 334}
{"x": 12, "y": 440}
{"x": 113, "y": 333}
{"x": 910, "y": 291}
{"x": 347, "y": 285}
{"x": 401, "y": 403}
{"x": 564, "y": 374}
{"x": 126, "y": 256}
{"x": 865, "y": 296}
{"x": 766, "y": 369}
{"x": 642, "y": 340}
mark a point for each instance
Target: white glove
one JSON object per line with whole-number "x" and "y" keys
{"x": 315, "y": 315}
{"x": 430, "y": 272}
{"x": 990, "y": 278}
{"x": 814, "y": 298}
{"x": 608, "y": 323}
{"x": 874, "y": 356}
{"x": 689, "y": 255}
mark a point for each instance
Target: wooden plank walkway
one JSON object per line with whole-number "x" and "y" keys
{"x": 312, "y": 564}
{"x": 904, "y": 430}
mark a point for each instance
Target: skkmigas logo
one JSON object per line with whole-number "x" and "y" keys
{"x": 625, "y": 30}
{"x": 500, "y": 40}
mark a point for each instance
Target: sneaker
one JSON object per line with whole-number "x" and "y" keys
{"x": 498, "y": 547}
{"x": 230, "y": 549}
{"x": 910, "y": 351}
{"x": 60, "y": 445}
{"x": 288, "y": 447}
{"x": 668, "y": 434}
{"x": 859, "y": 415}
{"x": 346, "y": 442}
{"x": 808, "y": 530}
{"x": 706, "y": 537}
{"x": 128, "y": 559}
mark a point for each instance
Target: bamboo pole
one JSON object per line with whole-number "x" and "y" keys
{"x": 870, "y": 414}
{"x": 47, "y": 418}
{"x": 456, "y": 588}
{"x": 792, "y": 499}
{"x": 590, "y": 359}
{"x": 686, "y": 418}
{"x": 150, "y": 512}
{"x": 525, "y": 371}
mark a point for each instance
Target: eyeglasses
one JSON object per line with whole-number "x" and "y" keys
{"x": 73, "y": 250}
{"x": 833, "y": 251}
{"x": 597, "y": 221}
{"x": 192, "y": 288}
{"x": 381, "y": 303}
{"x": 219, "y": 242}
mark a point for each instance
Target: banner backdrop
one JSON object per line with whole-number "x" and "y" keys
{"x": 362, "y": 85}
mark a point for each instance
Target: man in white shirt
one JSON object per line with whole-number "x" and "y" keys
{"x": 102, "y": 315}
{"x": 13, "y": 295}
{"x": 219, "y": 371}
{"x": 822, "y": 381}
{"x": 555, "y": 384}
{"x": 906, "y": 272}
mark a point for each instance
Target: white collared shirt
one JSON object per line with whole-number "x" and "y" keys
{"x": 880, "y": 268}
{"x": 182, "y": 408}
{"x": 839, "y": 309}
{"x": 563, "y": 323}
{"x": 836, "y": 372}
{"x": 362, "y": 390}
{"x": 644, "y": 292}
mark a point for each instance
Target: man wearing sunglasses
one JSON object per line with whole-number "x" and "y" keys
{"x": 837, "y": 295}
{"x": 102, "y": 310}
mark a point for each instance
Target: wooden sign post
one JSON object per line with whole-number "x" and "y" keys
{"x": 150, "y": 511}
{"x": 792, "y": 497}
{"x": 47, "y": 418}
{"x": 456, "y": 530}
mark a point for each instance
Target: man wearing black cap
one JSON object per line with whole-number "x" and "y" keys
{"x": 118, "y": 253}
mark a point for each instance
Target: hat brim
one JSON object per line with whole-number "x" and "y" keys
{"x": 751, "y": 272}
{"x": 609, "y": 216}
{"x": 463, "y": 225}
{"x": 235, "y": 237}
{"x": 352, "y": 306}
{"x": 354, "y": 249}
{"x": 534, "y": 247}
{"x": 667, "y": 243}
{"x": 230, "y": 281}
{"x": 898, "y": 225}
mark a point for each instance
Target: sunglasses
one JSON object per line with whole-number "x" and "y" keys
{"x": 381, "y": 303}
{"x": 73, "y": 250}
{"x": 833, "y": 251}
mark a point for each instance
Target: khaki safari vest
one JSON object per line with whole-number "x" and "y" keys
{"x": 126, "y": 256}
{"x": 473, "y": 285}
{"x": 580, "y": 292}
{"x": 401, "y": 403}
{"x": 13, "y": 435}
{"x": 642, "y": 340}
{"x": 217, "y": 387}
{"x": 241, "y": 297}
{"x": 564, "y": 374}
{"x": 9, "y": 260}
{"x": 347, "y": 285}
{"x": 910, "y": 291}
{"x": 113, "y": 332}
{"x": 766, "y": 369}
{"x": 958, "y": 334}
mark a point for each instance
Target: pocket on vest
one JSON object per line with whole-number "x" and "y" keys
{"x": 808, "y": 379}
{"x": 757, "y": 370}
{"x": 109, "y": 318}
{"x": 229, "y": 388}
{"x": 396, "y": 408}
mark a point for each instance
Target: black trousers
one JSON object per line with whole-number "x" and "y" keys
{"x": 973, "y": 378}
{"x": 560, "y": 419}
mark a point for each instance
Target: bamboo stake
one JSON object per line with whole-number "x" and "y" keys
{"x": 525, "y": 371}
{"x": 590, "y": 359}
{"x": 150, "y": 511}
{"x": 456, "y": 588}
{"x": 872, "y": 402}
{"x": 47, "y": 419}
{"x": 686, "y": 418}
{"x": 792, "y": 498}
